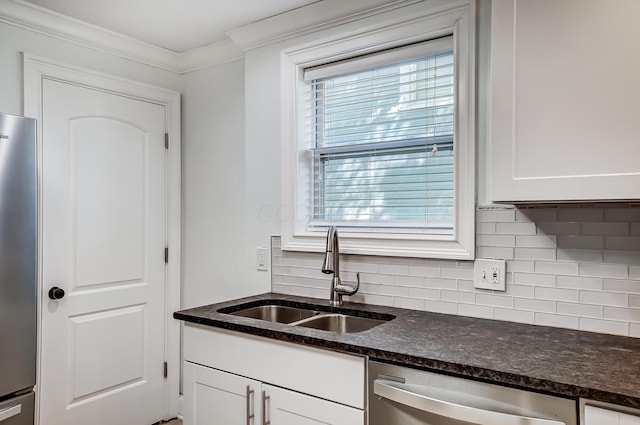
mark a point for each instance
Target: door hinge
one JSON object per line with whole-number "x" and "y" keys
{"x": 166, "y": 140}
{"x": 166, "y": 254}
{"x": 166, "y": 370}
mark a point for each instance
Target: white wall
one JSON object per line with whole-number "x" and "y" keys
{"x": 213, "y": 154}
{"x": 14, "y": 40}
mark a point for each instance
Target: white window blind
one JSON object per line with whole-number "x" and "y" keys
{"x": 381, "y": 132}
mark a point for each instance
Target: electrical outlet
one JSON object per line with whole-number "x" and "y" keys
{"x": 490, "y": 274}
{"x": 262, "y": 259}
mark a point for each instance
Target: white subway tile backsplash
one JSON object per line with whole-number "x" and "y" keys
{"x": 514, "y": 315}
{"x": 413, "y": 281}
{"x": 622, "y": 214}
{"x": 537, "y": 214}
{"x": 520, "y": 266}
{"x": 440, "y": 283}
{"x": 575, "y": 282}
{"x": 522, "y": 291}
{"x": 580, "y": 242}
{"x": 627, "y": 286}
{"x": 580, "y": 255}
{"x": 424, "y": 271}
{"x": 604, "y": 298}
{"x": 567, "y": 266}
{"x": 534, "y": 305}
{"x": 496, "y": 240}
{"x": 623, "y": 243}
{"x": 543, "y": 293}
{"x": 502, "y": 253}
{"x": 535, "y": 254}
{"x": 474, "y": 310}
{"x": 495, "y": 215}
{"x": 458, "y": 297}
{"x": 604, "y": 270}
{"x": 604, "y": 229}
{"x": 394, "y": 291}
{"x": 537, "y": 241}
{"x": 394, "y": 269}
{"x": 558, "y": 228}
{"x": 534, "y": 279}
{"x": 410, "y": 303}
{"x": 454, "y": 273}
{"x": 485, "y": 228}
{"x": 625, "y": 314}
{"x": 580, "y": 214}
{"x": 494, "y": 300}
{"x": 514, "y": 228}
{"x": 622, "y": 257}
{"x": 556, "y": 320}
{"x": 604, "y": 326}
{"x": 556, "y": 267}
{"x": 424, "y": 293}
{"x": 441, "y": 307}
{"x": 579, "y": 310}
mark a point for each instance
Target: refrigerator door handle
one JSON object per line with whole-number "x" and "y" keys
{"x": 10, "y": 412}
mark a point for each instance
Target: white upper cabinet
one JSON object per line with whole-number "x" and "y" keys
{"x": 565, "y": 100}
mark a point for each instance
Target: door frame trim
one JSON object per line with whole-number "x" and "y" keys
{"x": 35, "y": 70}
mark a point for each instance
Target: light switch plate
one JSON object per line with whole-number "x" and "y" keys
{"x": 490, "y": 274}
{"x": 262, "y": 259}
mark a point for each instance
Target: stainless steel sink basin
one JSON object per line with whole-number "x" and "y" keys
{"x": 340, "y": 323}
{"x": 309, "y": 316}
{"x": 276, "y": 313}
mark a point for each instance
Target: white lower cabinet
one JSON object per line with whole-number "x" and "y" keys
{"x": 231, "y": 378}
{"x": 599, "y": 416}
{"x": 284, "y": 407}
{"x": 213, "y": 397}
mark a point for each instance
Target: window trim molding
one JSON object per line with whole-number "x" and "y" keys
{"x": 454, "y": 18}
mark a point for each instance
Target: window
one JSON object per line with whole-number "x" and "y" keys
{"x": 382, "y": 141}
{"x": 378, "y": 139}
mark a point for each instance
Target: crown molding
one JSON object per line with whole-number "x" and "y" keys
{"x": 34, "y": 18}
{"x": 305, "y": 20}
{"x": 212, "y": 54}
{"x": 309, "y": 19}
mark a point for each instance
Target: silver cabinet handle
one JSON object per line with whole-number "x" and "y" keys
{"x": 250, "y": 414}
{"x": 265, "y": 397}
{"x": 10, "y": 412}
{"x": 395, "y": 392}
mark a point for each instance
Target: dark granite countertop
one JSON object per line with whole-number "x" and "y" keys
{"x": 552, "y": 360}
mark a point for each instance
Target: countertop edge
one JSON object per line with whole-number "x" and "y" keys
{"x": 524, "y": 382}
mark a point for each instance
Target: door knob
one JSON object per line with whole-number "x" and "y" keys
{"x": 56, "y": 293}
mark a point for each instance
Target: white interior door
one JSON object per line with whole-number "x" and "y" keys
{"x": 103, "y": 238}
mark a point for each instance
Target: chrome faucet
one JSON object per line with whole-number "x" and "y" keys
{"x": 331, "y": 264}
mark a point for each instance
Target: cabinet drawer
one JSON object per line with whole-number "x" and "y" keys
{"x": 599, "y": 416}
{"x": 326, "y": 374}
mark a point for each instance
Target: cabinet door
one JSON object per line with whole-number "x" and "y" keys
{"x": 213, "y": 397}
{"x": 284, "y": 407}
{"x": 598, "y": 416}
{"x": 564, "y": 100}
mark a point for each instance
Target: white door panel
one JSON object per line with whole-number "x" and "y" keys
{"x": 103, "y": 239}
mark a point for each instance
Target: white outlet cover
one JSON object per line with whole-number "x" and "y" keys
{"x": 490, "y": 274}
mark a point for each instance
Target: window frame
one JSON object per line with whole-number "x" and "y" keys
{"x": 457, "y": 20}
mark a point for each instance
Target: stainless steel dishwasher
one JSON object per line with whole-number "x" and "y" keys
{"x": 404, "y": 396}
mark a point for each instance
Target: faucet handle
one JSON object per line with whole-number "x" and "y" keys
{"x": 346, "y": 289}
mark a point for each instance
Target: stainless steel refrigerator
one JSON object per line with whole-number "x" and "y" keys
{"x": 18, "y": 269}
